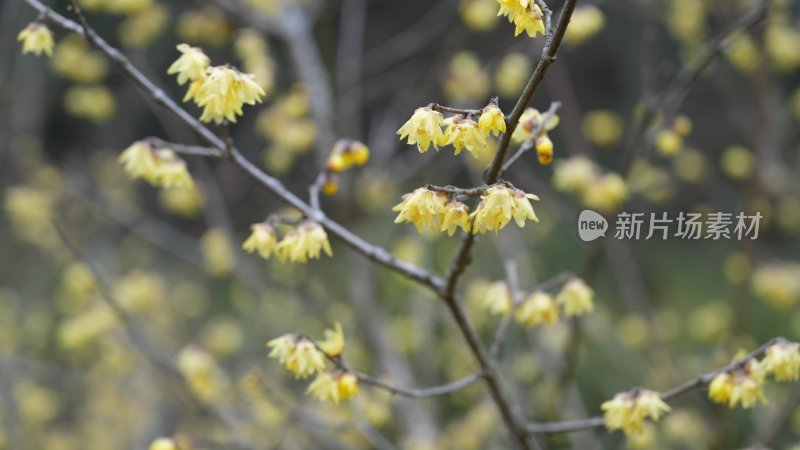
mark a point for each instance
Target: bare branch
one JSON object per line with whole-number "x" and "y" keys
{"x": 423, "y": 392}
{"x": 528, "y": 145}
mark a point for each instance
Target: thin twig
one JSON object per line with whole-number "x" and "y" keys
{"x": 421, "y": 392}
{"x": 529, "y": 143}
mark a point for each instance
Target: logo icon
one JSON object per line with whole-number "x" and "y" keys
{"x": 591, "y": 225}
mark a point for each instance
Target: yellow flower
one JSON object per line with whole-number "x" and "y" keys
{"x": 262, "y": 239}
{"x": 531, "y": 119}
{"x": 586, "y": 22}
{"x": 139, "y": 161}
{"x": 576, "y": 297}
{"x": 628, "y": 410}
{"x": 171, "y": 170}
{"x": 334, "y": 387}
{"x": 36, "y": 38}
{"x": 783, "y": 360}
{"x": 498, "y": 299}
{"x": 333, "y": 345}
{"x": 421, "y": 207}
{"x": 745, "y": 385}
{"x": 464, "y": 133}
{"x": 298, "y": 354}
{"x": 492, "y": 120}
{"x": 524, "y": 14}
{"x": 306, "y": 241}
{"x": 423, "y": 128}
{"x": 95, "y": 103}
{"x": 574, "y": 174}
{"x": 163, "y": 444}
{"x": 538, "y": 308}
{"x": 606, "y": 193}
{"x": 191, "y": 65}
{"x": 499, "y": 205}
{"x": 455, "y": 215}
{"x": 347, "y": 153}
{"x": 720, "y": 390}
{"x": 224, "y": 92}
{"x": 200, "y": 371}
{"x": 194, "y": 87}
{"x": 544, "y": 150}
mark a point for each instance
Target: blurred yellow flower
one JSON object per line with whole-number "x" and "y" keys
{"x": 262, "y": 239}
{"x": 36, "y": 38}
{"x": 298, "y": 354}
{"x": 163, "y": 443}
{"x": 607, "y": 193}
{"x": 497, "y": 299}
{"x": 585, "y": 23}
{"x": 305, "y": 241}
{"x": 576, "y": 297}
{"x": 334, "y": 387}
{"x": 538, "y": 308}
{"x": 603, "y": 127}
{"x": 94, "y": 103}
{"x": 627, "y": 411}
{"x": 191, "y": 65}
{"x": 333, "y": 345}
{"x": 783, "y": 361}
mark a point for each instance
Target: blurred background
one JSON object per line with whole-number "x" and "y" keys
{"x": 72, "y": 376}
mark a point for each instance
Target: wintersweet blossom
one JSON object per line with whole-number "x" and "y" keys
{"x": 334, "y": 387}
{"x": 333, "y": 345}
{"x": 456, "y": 214}
{"x": 538, "y": 308}
{"x": 743, "y": 385}
{"x": 263, "y": 239}
{"x": 576, "y": 297}
{"x": 499, "y": 205}
{"x": 306, "y": 241}
{"x": 497, "y": 299}
{"x": 298, "y": 354}
{"x": 492, "y": 120}
{"x": 464, "y": 133}
{"x": 524, "y": 14}
{"x": 423, "y": 129}
{"x": 627, "y": 411}
{"x": 783, "y": 361}
{"x": 421, "y": 207}
{"x": 191, "y": 65}
{"x": 36, "y": 38}
{"x": 223, "y": 93}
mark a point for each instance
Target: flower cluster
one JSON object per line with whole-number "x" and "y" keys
{"x": 540, "y": 307}
{"x": 579, "y": 175}
{"x": 347, "y": 153}
{"x": 36, "y": 38}
{"x": 304, "y": 357}
{"x": 306, "y": 240}
{"x": 744, "y": 384}
{"x": 627, "y": 411}
{"x": 461, "y": 131}
{"x": 524, "y": 14}
{"x": 160, "y": 167}
{"x": 220, "y": 90}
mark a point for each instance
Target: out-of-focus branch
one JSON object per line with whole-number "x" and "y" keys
{"x": 422, "y": 392}
{"x": 218, "y": 148}
{"x": 677, "y": 391}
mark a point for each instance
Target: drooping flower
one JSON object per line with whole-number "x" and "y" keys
{"x": 524, "y": 14}
{"x": 333, "y": 345}
{"x": 497, "y": 299}
{"x": 138, "y": 161}
{"x": 529, "y": 122}
{"x": 744, "y": 385}
{"x": 576, "y": 297}
{"x": 171, "y": 170}
{"x": 627, "y": 411}
{"x": 223, "y": 93}
{"x": 492, "y": 120}
{"x": 423, "y": 129}
{"x": 36, "y": 38}
{"x": 464, "y": 133}
{"x": 456, "y": 214}
{"x": 262, "y": 239}
{"x": 544, "y": 150}
{"x": 720, "y": 390}
{"x": 499, "y": 205}
{"x": 538, "y": 308}
{"x": 306, "y": 241}
{"x": 191, "y": 65}
{"x": 347, "y": 153}
{"x": 334, "y": 387}
{"x": 421, "y": 208}
{"x": 298, "y": 354}
{"x": 783, "y": 361}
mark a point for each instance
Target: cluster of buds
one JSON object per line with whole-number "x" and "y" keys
{"x": 346, "y": 153}
{"x": 303, "y": 242}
